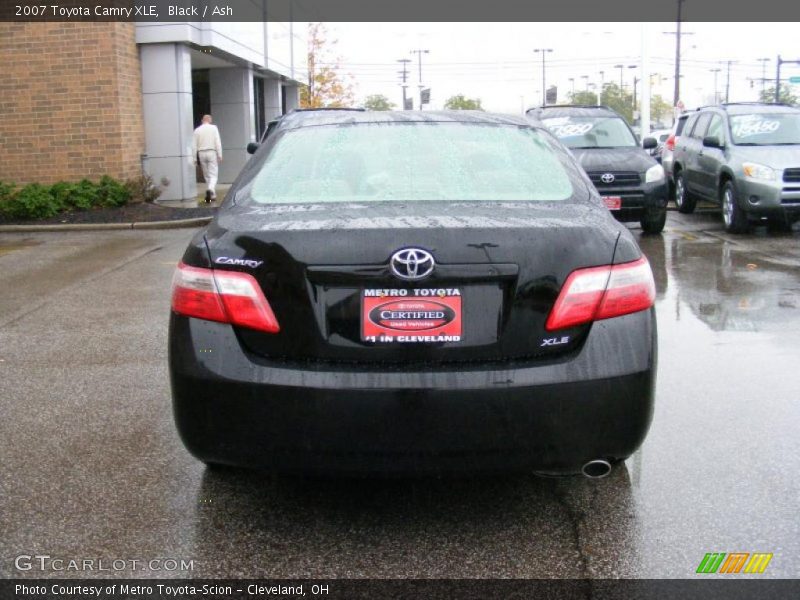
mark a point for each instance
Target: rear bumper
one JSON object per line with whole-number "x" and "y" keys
{"x": 234, "y": 408}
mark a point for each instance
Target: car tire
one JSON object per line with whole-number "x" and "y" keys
{"x": 733, "y": 216}
{"x": 683, "y": 199}
{"x": 654, "y": 219}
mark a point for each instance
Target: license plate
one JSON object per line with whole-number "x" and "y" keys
{"x": 613, "y": 202}
{"x": 411, "y": 316}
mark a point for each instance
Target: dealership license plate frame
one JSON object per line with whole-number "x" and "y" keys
{"x": 613, "y": 202}
{"x": 411, "y": 330}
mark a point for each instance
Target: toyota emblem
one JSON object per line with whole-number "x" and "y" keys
{"x": 411, "y": 263}
{"x": 607, "y": 178}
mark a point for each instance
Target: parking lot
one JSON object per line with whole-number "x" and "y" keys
{"x": 92, "y": 466}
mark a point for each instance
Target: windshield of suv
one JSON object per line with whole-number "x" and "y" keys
{"x": 410, "y": 161}
{"x": 591, "y": 132}
{"x": 766, "y": 129}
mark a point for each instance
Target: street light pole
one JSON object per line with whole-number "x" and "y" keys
{"x": 620, "y": 67}
{"x": 763, "y": 62}
{"x": 544, "y": 85}
{"x": 728, "y": 81}
{"x": 600, "y": 90}
{"x": 716, "y": 72}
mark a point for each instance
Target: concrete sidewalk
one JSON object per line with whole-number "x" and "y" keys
{"x": 200, "y": 200}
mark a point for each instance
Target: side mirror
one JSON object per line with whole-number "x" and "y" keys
{"x": 649, "y": 143}
{"x": 252, "y": 147}
{"x": 712, "y": 141}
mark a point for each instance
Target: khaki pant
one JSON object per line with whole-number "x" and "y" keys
{"x": 208, "y": 162}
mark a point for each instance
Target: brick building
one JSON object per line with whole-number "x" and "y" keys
{"x": 89, "y": 99}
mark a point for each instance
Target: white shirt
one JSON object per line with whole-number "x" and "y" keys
{"x": 206, "y": 137}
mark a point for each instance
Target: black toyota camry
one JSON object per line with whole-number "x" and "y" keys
{"x": 404, "y": 292}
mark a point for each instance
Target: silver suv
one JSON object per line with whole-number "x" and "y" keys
{"x": 745, "y": 157}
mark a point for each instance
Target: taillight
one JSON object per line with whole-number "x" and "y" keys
{"x": 670, "y": 143}
{"x": 603, "y": 292}
{"x": 224, "y": 296}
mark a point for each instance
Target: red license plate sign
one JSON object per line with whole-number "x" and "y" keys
{"x": 613, "y": 202}
{"x": 411, "y": 315}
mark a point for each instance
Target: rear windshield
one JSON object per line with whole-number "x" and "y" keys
{"x": 410, "y": 161}
{"x": 591, "y": 132}
{"x": 766, "y": 129}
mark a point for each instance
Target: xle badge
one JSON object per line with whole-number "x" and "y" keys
{"x": 554, "y": 341}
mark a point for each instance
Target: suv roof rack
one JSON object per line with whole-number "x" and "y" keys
{"x": 570, "y": 106}
{"x": 754, "y": 103}
{"x": 322, "y": 108}
{"x": 724, "y": 105}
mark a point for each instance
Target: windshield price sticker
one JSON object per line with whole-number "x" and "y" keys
{"x": 749, "y": 125}
{"x": 564, "y": 127}
{"x": 411, "y": 315}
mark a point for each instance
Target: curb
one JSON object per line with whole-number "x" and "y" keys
{"x": 176, "y": 224}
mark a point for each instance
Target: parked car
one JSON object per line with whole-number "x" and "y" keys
{"x": 745, "y": 157}
{"x": 409, "y": 292}
{"x": 631, "y": 182}
{"x": 669, "y": 148}
{"x": 661, "y": 136}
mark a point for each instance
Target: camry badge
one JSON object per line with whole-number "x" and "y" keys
{"x": 411, "y": 263}
{"x": 607, "y": 178}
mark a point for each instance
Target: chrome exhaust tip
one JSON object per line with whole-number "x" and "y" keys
{"x": 596, "y": 469}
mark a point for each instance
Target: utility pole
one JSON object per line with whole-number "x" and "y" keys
{"x": 419, "y": 54}
{"x": 728, "y": 81}
{"x": 572, "y": 81}
{"x": 635, "y": 82}
{"x": 781, "y": 61}
{"x": 678, "y": 35}
{"x": 544, "y": 86}
{"x": 404, "y": 75}
{"x": 586, "y": 82}
{"x": 716, "y": 95}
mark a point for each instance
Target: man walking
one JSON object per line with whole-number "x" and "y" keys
{"x": 207, "y": 147}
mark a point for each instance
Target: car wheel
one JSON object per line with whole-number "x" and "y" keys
{"x": 683, "y": 200}
{"x": 654, "y": 219}
{"x": 734, "y": 217}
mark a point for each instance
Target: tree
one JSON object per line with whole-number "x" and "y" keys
{"x": 459, "y": 102}
{"x": 618, "y": 99}
{"x": 378, "y": 102}
{"x": 327, "y": 87}
{"x": 660, "y": 110}
{"x": 786, "y": 95}
{"x": 583, "y": 97}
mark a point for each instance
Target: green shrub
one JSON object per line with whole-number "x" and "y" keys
{"x": 112, "y": 192}
{"x": 7, "y": 190}
{"x": 34, "y": 201}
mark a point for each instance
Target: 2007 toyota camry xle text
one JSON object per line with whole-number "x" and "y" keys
{"x": 399, "y": 292}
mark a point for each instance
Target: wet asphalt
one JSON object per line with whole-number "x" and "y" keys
{"x": 91, "y": 466}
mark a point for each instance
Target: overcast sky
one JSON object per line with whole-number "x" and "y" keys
{"x": 496, "y": 63}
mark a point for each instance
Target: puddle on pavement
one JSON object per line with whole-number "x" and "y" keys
{"x": 6, "y": 248}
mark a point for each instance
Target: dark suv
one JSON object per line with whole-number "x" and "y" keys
{"x": 745, "y": 157}
{"x": 631, "y": 182}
